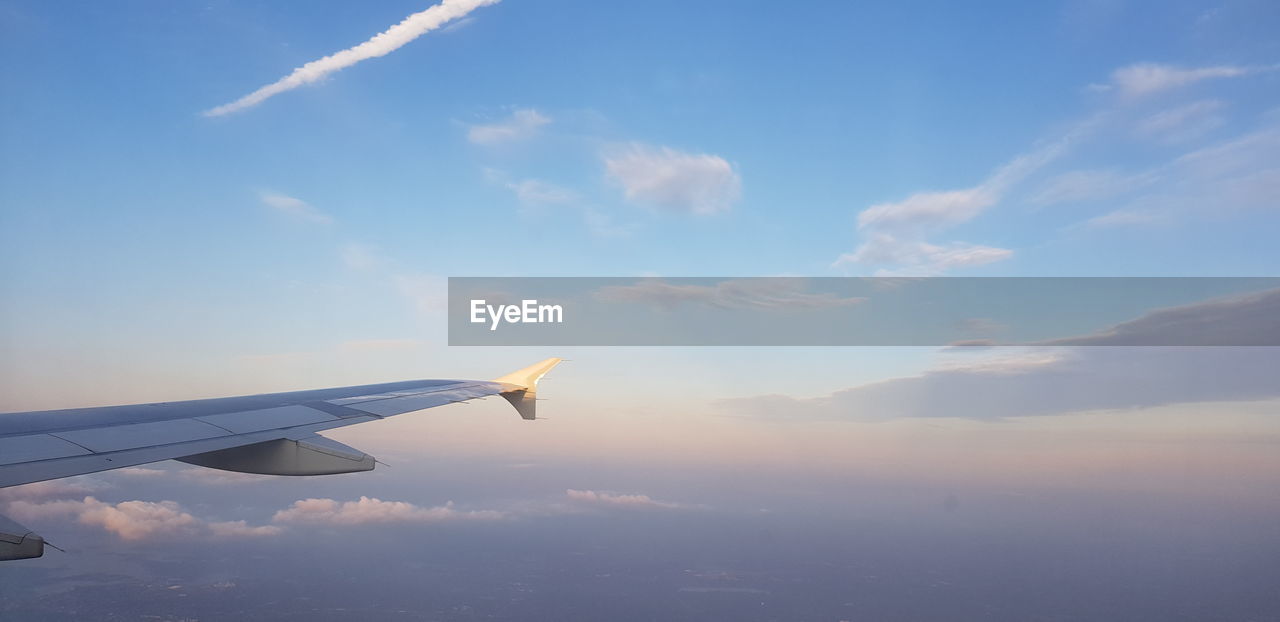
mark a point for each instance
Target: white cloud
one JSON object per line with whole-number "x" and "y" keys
{"x": 523, "y": 124}
{"x": 131, "y": 520}
{"x": 239, "y": 529}
{"x": 913, "y": 257}
{"x": 368, "y": 510}
{"x": 1182, "y": 123}
{"x": 697, "y": 183}
{"x": 52, "y": 489}
{"x": 1142, "y": 79}
{"x": 533, "y": 191}
{"x": 1223, "y": 179}
{"x": 1242, "y": 155}
{"x": 537, "y": 193}
{"x": 1088, "y": 185}
{"x": 1123, "y": 218}
{"x": 1002, "y": 361}
{"x": 896, "y": 230}
{"x": 614, "y": 500}
{"x": 295, "y": 208}
{"x": 381, "y": 44}
{"x": 931, "y": 210}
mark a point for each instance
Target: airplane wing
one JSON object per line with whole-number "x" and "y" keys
{"x": 273, "y": 433}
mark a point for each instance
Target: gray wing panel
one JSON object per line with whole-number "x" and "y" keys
{"x": 118, "y": 437}
{"x": 37, "y": 447}
{"x": 42, "y": 445}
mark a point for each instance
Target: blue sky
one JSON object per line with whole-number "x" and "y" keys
{"x": 171, "y": 230}
{"x": 556, "y": 138}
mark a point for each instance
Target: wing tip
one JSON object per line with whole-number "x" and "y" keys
{"x": 523, "y": 386}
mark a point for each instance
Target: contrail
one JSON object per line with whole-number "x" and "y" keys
{"x": 381, "y": 44}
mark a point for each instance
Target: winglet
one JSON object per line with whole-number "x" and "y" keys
{"x": 522, "y": 386}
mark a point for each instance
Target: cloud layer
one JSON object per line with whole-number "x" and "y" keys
{"x": 134, "y": 520}
{"x": 381, "y": 44}
{"x": 1026, "y": 381}
{"x": 138, "y": 520}
{"x": 1044, "y": 383}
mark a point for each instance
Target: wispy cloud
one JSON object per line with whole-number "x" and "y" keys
{"x": 1123, "y": 218}
{"x": 533, "y": 192}
{"x": 916, "y": 257}
{"x": 369, "y": 510}
{"x": 1227, "y": 177}
{"x": 1088, "y": 185}
{"x": 295, "y": 208}
{"x": 381, "y": 44}
{"x": 697, "y": 183}
{"x": 609, "y": 499}
{"x": 895, "y": 231}
{"x": 358, "y": 256}
{"x": 537, "y": 193}
{"x": 1143, "y": 79}
{"x": 523, "y": 124}
{"x": 931, "y": 210}
{"x": 1182, "y": 123}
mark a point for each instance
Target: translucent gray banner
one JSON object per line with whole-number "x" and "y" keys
{"x": 838, "y": 311}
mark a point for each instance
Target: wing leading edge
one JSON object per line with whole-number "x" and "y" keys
{"x": 273, "y": 433}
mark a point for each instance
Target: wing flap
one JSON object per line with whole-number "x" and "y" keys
{"x": 27, "y": 472}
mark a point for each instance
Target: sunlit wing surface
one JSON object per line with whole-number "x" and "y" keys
{"x": 274, "y": 433}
